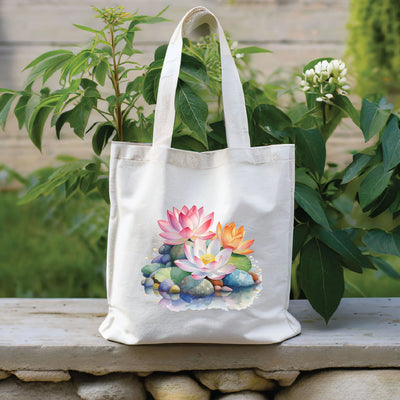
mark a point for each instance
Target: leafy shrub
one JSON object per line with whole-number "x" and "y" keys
{"x": 330, "y": 234}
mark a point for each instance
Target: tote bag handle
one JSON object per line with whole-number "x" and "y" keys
{"x": 237, "y": 132}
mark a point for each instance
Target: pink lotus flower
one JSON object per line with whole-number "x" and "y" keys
{"x": 206, "y": 261}
{"x": 186, "y": 224}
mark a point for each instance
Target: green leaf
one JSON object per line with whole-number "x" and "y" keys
{"x": 240, "y": 261}
{"x": 300, "y": 234}
{"x": 6, "y": 100}
{"x": 48, "y": 66}
{"x": 187, "y": 142}
{"x": 88, "y": 29}
{"x": 135, "y": 85}
{"x": 20, "y": 110}
{"x": 385, "y": 267}
{"x": 101, "y": 72}
{"x": 192, "y": 70}
{"x": 193, "y": 111}
{"x": 36, "y": 125}
{"x": 310, "y": 201}
{"x": 102, "y": 136}
{"x": 341, "y": 243}
{"x": 302, "y": 176}
{"x": 56, "y": 179}
{"x": 271, "y": 119}
{"x": 344, "y": 104}
{"x": 46, "y": 55}
{"x": 103, "y": 188}
{"x": 383, "y": 242}
{"x": 391, "y": 144}
{"x": 151, "y": 80}
{"x": 58, "y": 63}
{"x": 310, "y": 149}
{"x": 251, "y": 50}
{"x": 358, "y": 164}
{"x": 321, "y": 278}
{"x": 78, "y": 117}
{"x": 373, "y": 118}
{"x": 178, "y": 274}
{"x": 373, "y": 185}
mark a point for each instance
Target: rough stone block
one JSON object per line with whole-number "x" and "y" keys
{"x": 284, "y": 378}
{"x": 175, "y": 387}
{"x": 345, "y": 384}
{"x": 228, "y": 381}
{"x": 43, "y": 376}
{"x": 109, "y": 387}
{"x": 246, "y": 395}
{"x": 13, "y": 389}
{"x": 4, "y": 375}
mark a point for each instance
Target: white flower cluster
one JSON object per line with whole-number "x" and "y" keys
{"x": 326, "y": 78}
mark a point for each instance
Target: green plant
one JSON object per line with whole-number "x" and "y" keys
{"x": 329, "y": 234}
{"x": 373, "y": 45}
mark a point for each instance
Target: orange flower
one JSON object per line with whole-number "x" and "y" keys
{"x": 232, "y": 238}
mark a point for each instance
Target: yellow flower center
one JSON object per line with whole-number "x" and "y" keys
{"x": 207, "y": 258}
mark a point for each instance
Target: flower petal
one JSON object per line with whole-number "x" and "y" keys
{"x": 214, "y": 247}
{"x": 186, "y": 233}
{"x": 189, "y": 252}
{"x": 186, "y": 265}
{"x": 243, "y": 252}
{"x": 245, "y": 244}
{"x": 186, "y": 221}
{"x": 198, "y": 277}
{"x": 173, "y": 221}
{"x": 200, "y": 247}
{"x": 204, "y": 227}
{"x": 223, "y": 256}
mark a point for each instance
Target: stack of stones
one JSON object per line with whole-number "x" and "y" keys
{"x": 244, "y": 384}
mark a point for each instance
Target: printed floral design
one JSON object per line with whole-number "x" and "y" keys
{"x": 206, "y": 261}
{"x": 186, "y": 224}
{"x": 233, "y": 239}
{"x": 197, "y": 268}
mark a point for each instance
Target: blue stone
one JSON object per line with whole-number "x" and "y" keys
{"x": 238, "y": 278}
{"x": 165, "y": 258}
{"x": 157, "y": 259}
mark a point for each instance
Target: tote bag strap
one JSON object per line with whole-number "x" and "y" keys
{"x": 237, "y": 132}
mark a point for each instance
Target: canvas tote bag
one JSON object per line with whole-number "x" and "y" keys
{"x": 200, "y": 244}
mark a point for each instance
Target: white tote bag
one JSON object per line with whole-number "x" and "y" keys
{"x": 200, "y": 244}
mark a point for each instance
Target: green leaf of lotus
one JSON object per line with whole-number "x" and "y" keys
{"x": 240, "y": 261}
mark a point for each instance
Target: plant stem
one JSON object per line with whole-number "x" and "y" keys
{"x": 118, "y": 114}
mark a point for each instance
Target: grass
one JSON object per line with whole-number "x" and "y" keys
{"x": 39, "y": 259}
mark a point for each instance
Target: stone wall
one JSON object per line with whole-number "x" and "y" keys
{"x": 51, "y": 349}
{"x": 296, "y": 31}
{"x": 244, "y": 384}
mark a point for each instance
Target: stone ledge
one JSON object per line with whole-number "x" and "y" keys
{"x": 61, "y": 335}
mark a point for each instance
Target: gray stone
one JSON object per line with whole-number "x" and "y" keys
{"x": 43, "y": 376}
{"x": 246, "y": 395}
{"x": 110, "y": 387}
{"x": 227, "y": 381}
{"x": 13, "y": 389}
{"x": 175, "y": 387}
{"x": 4, "y": 375}
{"x": 149, "y": 269}
{"x": 284, "y": 378}
{"x": 345, "y": 384}
{"x": 203, "y": 289}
